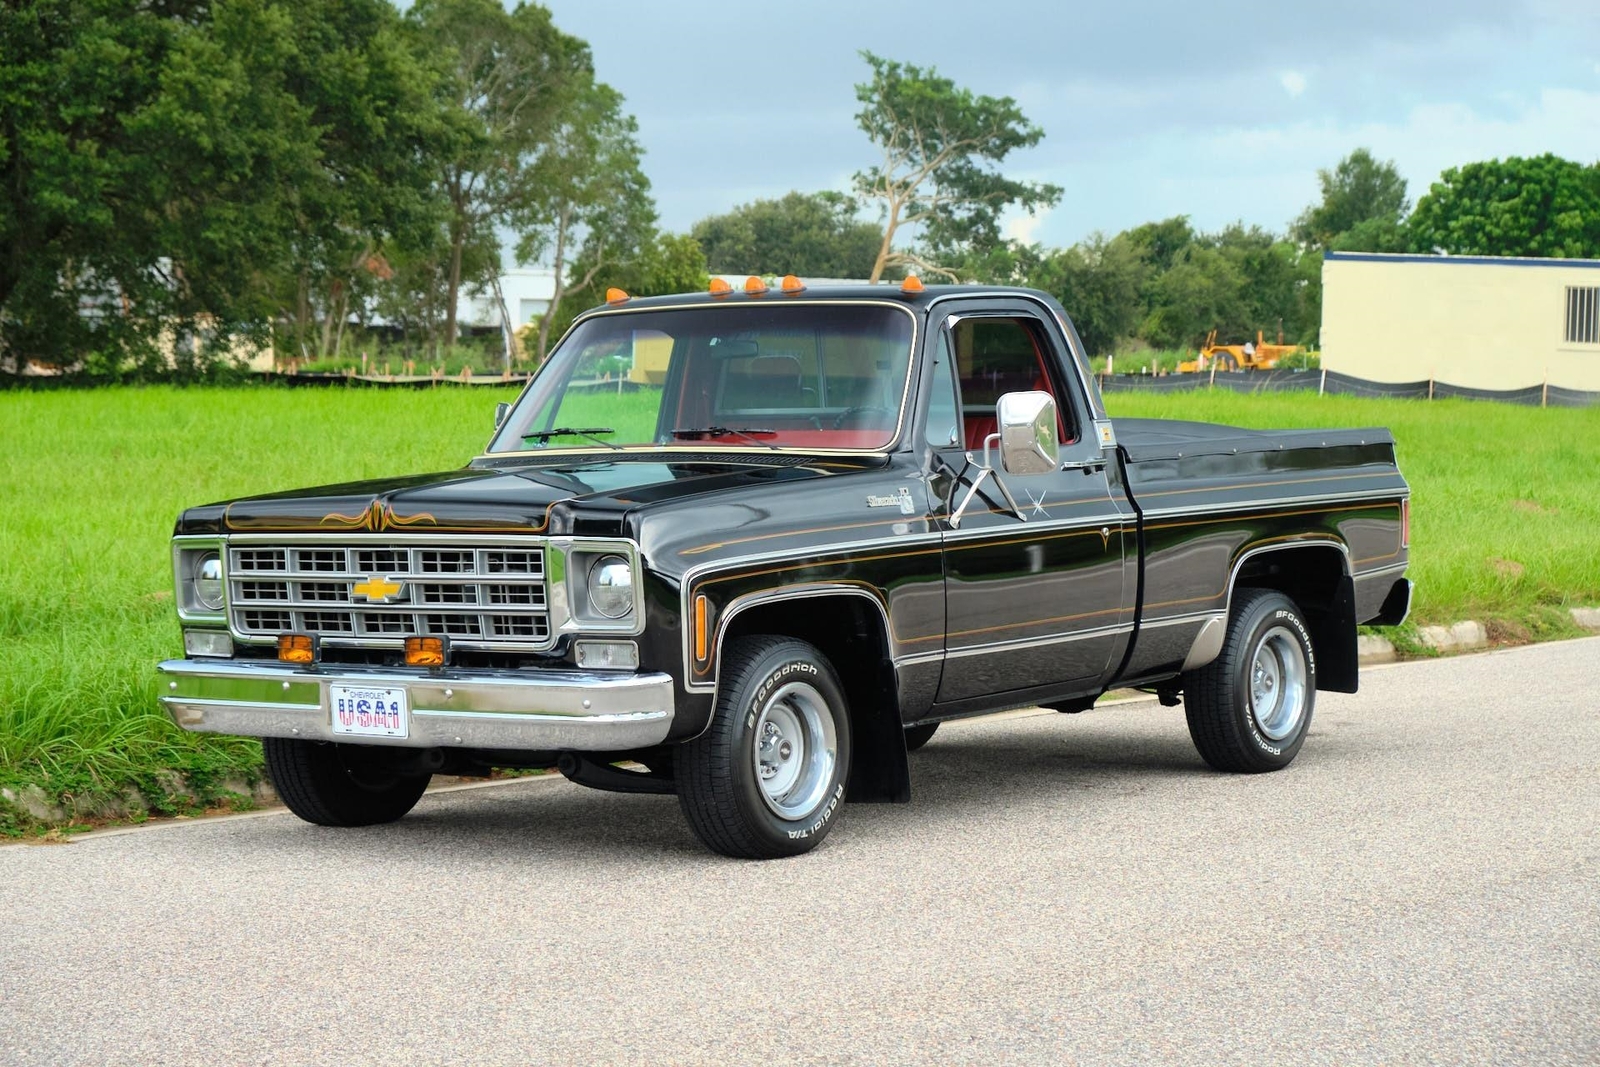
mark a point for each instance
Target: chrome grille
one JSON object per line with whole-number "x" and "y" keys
{"x": 474, "y": 595}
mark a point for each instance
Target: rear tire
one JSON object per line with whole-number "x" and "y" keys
{"x": 767, "y": 776}
{"x": 339, "y": 785}
{"x": 1250, "y": 708}
{"x": 917, "y": 736}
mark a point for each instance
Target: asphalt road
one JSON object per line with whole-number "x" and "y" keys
{"x": 1422, "y": 886}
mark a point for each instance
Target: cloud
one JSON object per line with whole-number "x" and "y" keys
{"x": 1023, "y": 227}
{"x": 1293, "y": 82}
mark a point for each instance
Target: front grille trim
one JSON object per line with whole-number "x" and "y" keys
{"x": 473, "y": 569}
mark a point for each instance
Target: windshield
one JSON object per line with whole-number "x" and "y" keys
{"x": 803, "y": 375}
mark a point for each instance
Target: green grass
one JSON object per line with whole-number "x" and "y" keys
{"x": 1506, "y": 519}
{"x": 91, "y": 484}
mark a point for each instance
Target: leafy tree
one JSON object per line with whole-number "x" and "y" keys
{"x": 168, "y": 165}
{"x": 1543, "y": 206}
{"x": 1359, "y": 194}
{"x": 591, "y": 201}
{"x": 1100, "y": 282}
{"x": 941, "y": 147}
{"x": 510, "y": 74}
{"x": 664, "y": 264}
{"x": 814, "y": 235}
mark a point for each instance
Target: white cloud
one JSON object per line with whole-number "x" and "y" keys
{"x": 1023, "y": 227}
{"x": 1293, "y": 82}
{"x": 1155, "y": 177}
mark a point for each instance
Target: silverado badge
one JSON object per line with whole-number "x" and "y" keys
{"x": 377, "y": 589}
{"x": 901, "y": 498}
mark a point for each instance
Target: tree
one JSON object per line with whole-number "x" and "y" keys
{"x": 510, "y": 74}
{"x": 1359, "y": 192}
{"x": 591, "y": 201}
{"x": 169, "y": 166}
{"x": 941, "y": 147}
{"x": 1543, "y": 206}
{"x": 814, "y": 235}
{"x": 666, "y": 263}
{"x": 1099, "y": 281}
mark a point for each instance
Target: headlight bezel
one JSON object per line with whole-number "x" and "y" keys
{"x": 188, "y": 552}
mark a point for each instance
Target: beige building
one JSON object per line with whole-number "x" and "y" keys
{"x": 1476, "y": 321}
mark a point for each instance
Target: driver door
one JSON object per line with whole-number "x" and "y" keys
{"x": 1036, "y": 599}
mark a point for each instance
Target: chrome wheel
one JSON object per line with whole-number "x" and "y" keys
{"x": 1277, "y": 683}
{"x": 794, "y": 750}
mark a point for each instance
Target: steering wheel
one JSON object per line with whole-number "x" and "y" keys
{"x": 838, "y": 423}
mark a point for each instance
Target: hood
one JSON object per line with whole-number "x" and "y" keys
{"x": 584, "y": 495}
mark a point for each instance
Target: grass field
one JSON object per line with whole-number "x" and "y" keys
{"x": 1506, "y": 528}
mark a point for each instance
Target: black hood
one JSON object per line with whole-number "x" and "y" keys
{"x": 561, "y": 497}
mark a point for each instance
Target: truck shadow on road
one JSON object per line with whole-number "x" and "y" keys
{"x": 963, "y": 776}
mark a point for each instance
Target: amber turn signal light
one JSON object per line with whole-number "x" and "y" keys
{"x": 912, "y": 284}
{"x": 297, "y": 648}
{"x": 754, "y": 286}
{"x": 617, "y": 296}
{"x": 424, "y": 652}
{"x": 720, "y": 287}
{"x": 700, "y": 627}
{"x": 792, "y": 285}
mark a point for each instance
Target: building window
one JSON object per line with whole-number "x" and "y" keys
{"x": 1583, "y": 315}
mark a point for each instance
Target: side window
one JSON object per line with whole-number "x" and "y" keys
{"x": 944, "y": 419}
{"x": 995, "y": 356}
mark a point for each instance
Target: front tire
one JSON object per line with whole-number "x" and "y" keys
{"x": 767, "y": 776}
{"x": 1250, "y": 708}
{"x": 339, "y": 785}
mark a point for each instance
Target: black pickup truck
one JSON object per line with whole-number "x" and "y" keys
{"x": 751, "y": 547}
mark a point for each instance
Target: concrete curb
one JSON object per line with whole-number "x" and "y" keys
{"x": 1462, "y": 637}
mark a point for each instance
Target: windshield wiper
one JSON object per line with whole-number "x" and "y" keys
{"x": 569, "y": 431}
{"x": 747, "y": 432}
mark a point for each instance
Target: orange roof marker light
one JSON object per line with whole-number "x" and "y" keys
{"x": 792, "y": 285}
{"x": 754, "y": 286}
{"x": 617, "y": 296}
{"x": 720, "y": 287}
{"x": 912, "y": 284}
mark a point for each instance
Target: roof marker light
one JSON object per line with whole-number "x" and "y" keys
{"x": 720, "y": 287}
{"x": 792, "y": 285}
{"x": 912, "y": 284}
{"x": 754, "y": 286}
{"x": 617, "y": 296}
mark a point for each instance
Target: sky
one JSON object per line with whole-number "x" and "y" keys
{"x": 1221, "y": 111}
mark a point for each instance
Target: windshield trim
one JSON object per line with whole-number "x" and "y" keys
{"x": 701, "y": 447}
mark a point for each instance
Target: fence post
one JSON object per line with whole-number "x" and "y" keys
{"x": 1211, "y": 383}
{"x": 1322, "y": 383}
{"x": 1430, "y": 385}
{"x": 1544, "y": 394}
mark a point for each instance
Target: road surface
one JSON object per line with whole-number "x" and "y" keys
{"x": 1423, "y": 885}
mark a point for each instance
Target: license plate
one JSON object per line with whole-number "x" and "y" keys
{"x": 369, "y": 712}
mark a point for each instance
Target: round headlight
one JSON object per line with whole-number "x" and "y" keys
{"x": 611, "y": 586}
{"x": 208, "y": 581}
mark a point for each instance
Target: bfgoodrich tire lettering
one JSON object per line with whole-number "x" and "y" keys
{"x": 1250, "y": 708}
{"x": 768, "y": 775}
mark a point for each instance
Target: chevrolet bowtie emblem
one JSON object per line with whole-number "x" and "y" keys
{"x": 377, "y": 589}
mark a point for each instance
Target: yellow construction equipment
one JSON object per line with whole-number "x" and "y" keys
{"x": 1248, "y": 356}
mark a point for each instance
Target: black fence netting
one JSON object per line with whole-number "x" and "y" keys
{"x": 1319, "y": 381}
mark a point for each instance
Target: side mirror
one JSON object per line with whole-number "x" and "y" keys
{"x": 1028, "y": 442}
{"x": 501, "y": 410}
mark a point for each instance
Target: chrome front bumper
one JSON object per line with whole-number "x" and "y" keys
{"x": 542, "y": 710}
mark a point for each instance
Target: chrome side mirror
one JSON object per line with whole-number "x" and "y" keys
{"x": 1028, "y": 442}
{"x": 501, "y": 410}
